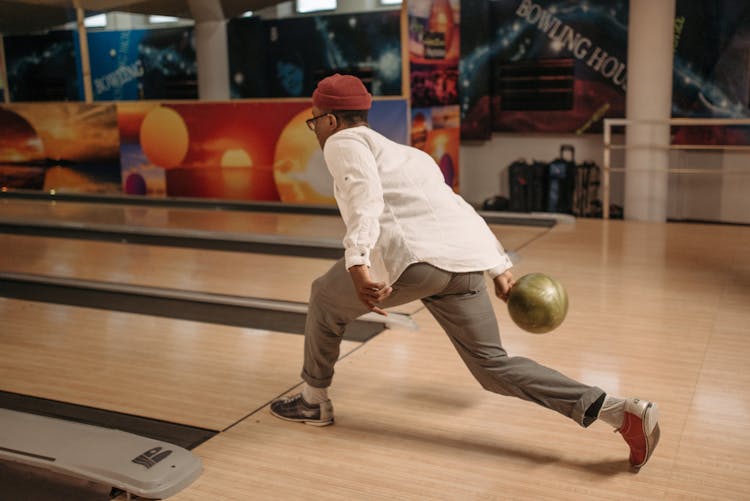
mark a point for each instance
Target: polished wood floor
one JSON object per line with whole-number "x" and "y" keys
{"x": 659, "y": 311}
{"x": 294, "y": 225}
{"x": 202, "y": 375}
{"x": 282, "y": 278}
{"x": 214, "y": 221}
{"x": 266, "y": 276}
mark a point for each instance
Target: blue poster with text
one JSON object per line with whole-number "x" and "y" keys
{"x": 143, "y": 64}
{"x": 115, "y": 66}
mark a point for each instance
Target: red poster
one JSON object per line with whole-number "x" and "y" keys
{"x": 259, "y": 151}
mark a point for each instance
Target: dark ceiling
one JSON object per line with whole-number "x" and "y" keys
{"x": 28, "y": 16}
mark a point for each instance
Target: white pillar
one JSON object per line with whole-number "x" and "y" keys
{"x": 649, "y": 97}
{"x": 83, "y": 43}
{"x": 4, "y": 72}
{"x": 211, "y": 49}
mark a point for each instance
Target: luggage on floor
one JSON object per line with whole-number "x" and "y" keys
{"x": 562, "y": 181}
{"x": 559, "y": 186}
{"x": 528, "y": 186}
{"x": 586, "y": 202}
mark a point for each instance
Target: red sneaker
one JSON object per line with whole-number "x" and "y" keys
{"x": 640, "y": 430}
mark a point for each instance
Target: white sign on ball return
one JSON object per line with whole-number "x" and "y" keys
{"x": 137, "y": 465}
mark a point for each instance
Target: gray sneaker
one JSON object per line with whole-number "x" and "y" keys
{"x": 295, "y": 408}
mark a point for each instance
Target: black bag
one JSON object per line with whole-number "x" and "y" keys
{"x": 518, "y": 180}
{"x": 538, "y": 186}
{"x": 528, "y": 186}
{"x": 587, "y": 190}
{"x": 496, "y": 203}
{"x": 562, "y": 182}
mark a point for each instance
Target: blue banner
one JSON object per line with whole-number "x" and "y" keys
{"x": 44, "y": 67}
{"x": 116, "y": 69}
{"x": 143, "y": 64}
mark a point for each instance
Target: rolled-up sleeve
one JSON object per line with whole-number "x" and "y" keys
{"x": 505, "y": 264}
{"x": 358, "y": 193}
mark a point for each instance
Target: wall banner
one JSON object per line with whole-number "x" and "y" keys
{"x": 434, "y": 49}
{"x": 143, "y": 64}
{"x": 712, "y": 69}
{"x": 44, "y": 67}
{"x": 243, "y": 151}
{"x": 287, "y": 57}
{"x": 60, "y": 146}
{"x": 557, "y": 66}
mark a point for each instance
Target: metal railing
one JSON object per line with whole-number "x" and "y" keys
{"x": 609, "y": 123}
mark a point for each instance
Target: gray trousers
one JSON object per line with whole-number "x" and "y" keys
{"x": 461, "y": 304}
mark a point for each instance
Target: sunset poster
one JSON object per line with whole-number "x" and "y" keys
{"x": 60, "y": 147}
{"x": 260, "y": 151}
{"x": 208, "y": 150}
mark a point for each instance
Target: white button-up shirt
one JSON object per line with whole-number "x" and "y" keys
{"x": 398, "y": 210}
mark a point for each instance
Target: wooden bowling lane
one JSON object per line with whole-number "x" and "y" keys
{"x": 176, "y": 218}
{"x": 657, "y": 311}
{"x": 667, "y": 307}
{"x": 198, "y": 374}
{"x": 207, "y": 220}
{"x": 282, "y": 278}
{"x": 411, "y": 424}
{"x": 275, "y": 277}
{"x": 515, "y": 237}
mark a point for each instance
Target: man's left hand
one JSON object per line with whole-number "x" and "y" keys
{"x": 369, "y": 292}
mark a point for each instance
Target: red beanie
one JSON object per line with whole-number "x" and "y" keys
{"x": 341, "y": 92}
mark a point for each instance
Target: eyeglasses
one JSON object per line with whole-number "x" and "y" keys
{"x": 311, "y": 121}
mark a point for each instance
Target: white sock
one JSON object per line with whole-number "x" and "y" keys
{"x": 313, "y": 395}
{"x": 613, "y": 411}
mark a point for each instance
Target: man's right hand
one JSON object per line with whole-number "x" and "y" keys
{"x": 503, "y": 283}
{"x": 369, "y": 292}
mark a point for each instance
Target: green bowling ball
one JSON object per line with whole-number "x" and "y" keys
{"x": 537, "y": 303}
